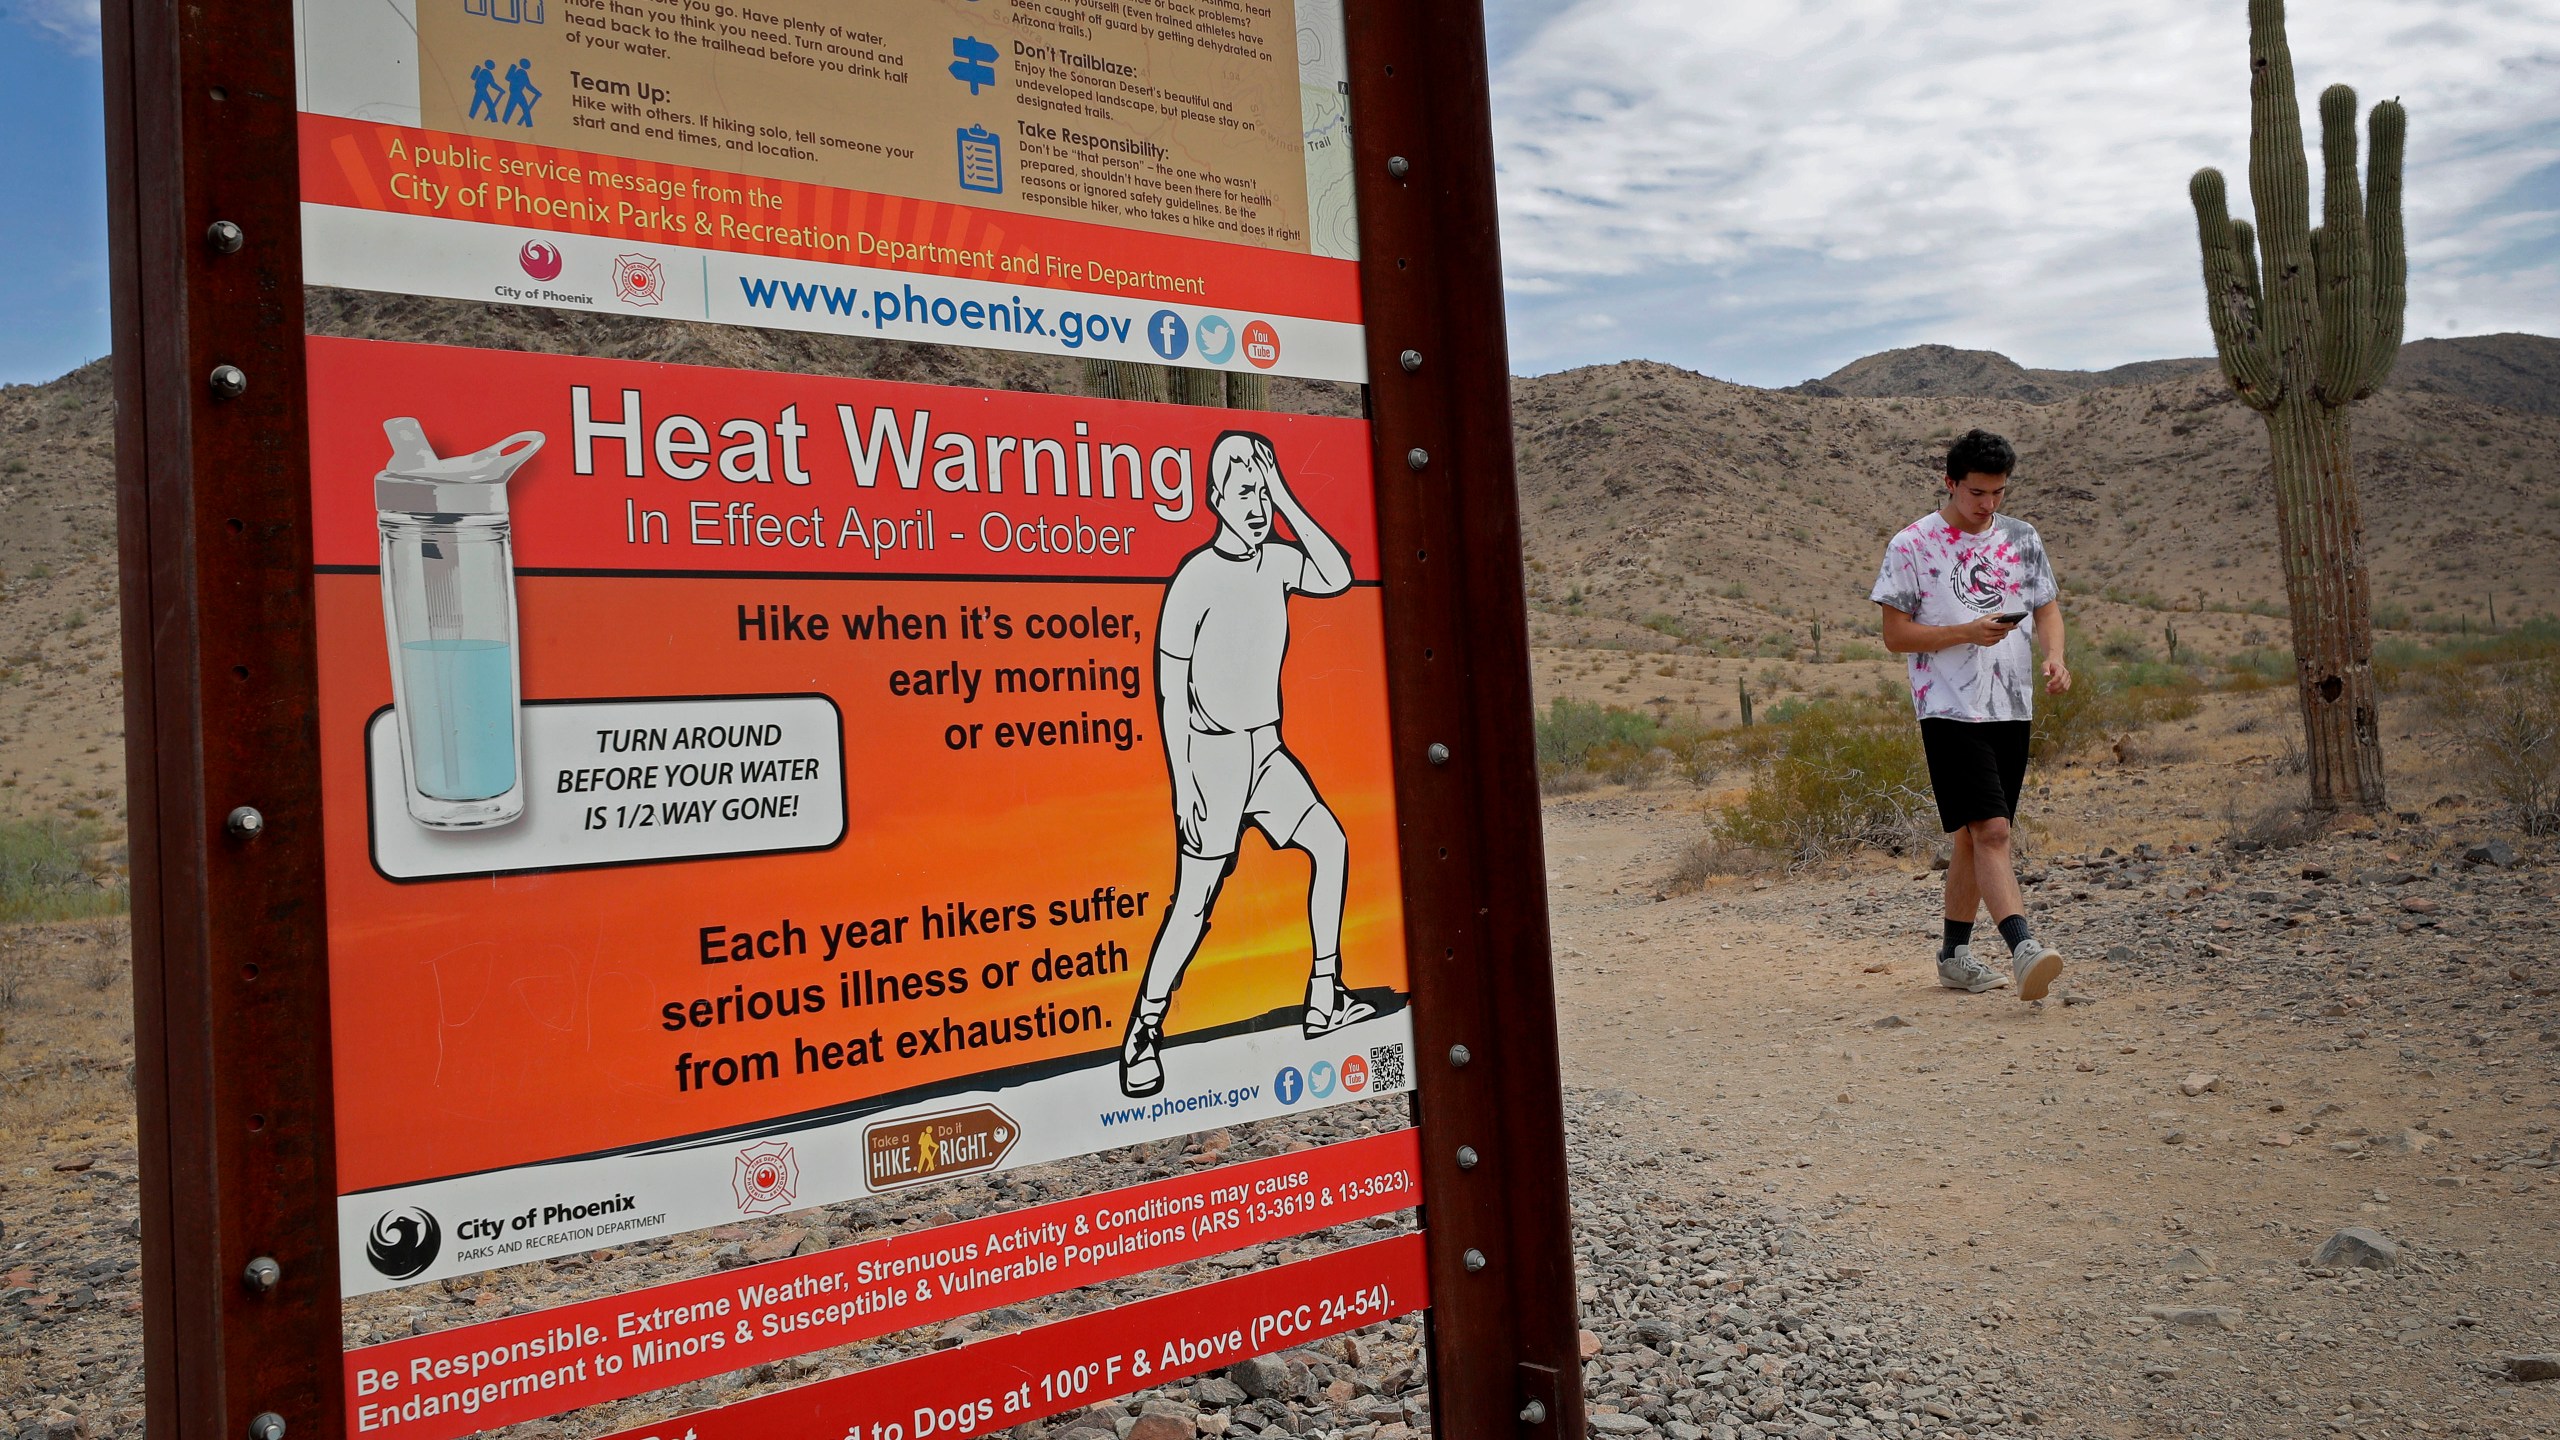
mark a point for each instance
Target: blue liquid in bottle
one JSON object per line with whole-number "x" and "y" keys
{"x": 461, "y": 696}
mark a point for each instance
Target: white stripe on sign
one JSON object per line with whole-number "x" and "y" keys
{"x": 465, "y": 260}
{"x": 436, "y": 1229}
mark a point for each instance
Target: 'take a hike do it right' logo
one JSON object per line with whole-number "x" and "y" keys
{"x": 403, "y": 1242}
{"x": 929, "y": 1147}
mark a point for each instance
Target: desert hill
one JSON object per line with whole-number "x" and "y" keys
{"x": 1924, "y": 370}
{"x": 1683, "y": 532}
{"x": 2518, "y": 372}
{"x": 1736, "y": 517}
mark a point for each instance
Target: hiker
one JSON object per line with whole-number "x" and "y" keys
{"x": 1968, "y": 594}
{"x": 1220, "y": 641}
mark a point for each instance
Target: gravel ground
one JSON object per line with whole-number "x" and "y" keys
{"x": 1817, "y": 1197}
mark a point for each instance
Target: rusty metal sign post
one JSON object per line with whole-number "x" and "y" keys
{"x": 229, "y": 715}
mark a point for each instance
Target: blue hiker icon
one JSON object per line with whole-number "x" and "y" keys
{"x": 520, "y": 94}
{"x": 484, "y": 90}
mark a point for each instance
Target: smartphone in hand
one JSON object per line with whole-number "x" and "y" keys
{"x": 2013, "y": 619}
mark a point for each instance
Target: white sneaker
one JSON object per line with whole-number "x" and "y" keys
{"x": 1961, "y": 971}
{"x": 2035, "y": 964}
{"x": 1330, "y": 1007}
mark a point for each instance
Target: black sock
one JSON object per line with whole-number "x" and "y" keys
{"x": 2015, "y": 931}
{"x": 1959, "y": 932}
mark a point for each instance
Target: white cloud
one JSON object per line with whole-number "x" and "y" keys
{"x": 73, "y": 24}
{"x": 1767, "y": 191}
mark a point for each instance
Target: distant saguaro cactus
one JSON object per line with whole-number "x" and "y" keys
{"x": 2306, "y": 320}
{"x": 1743, "y": 688}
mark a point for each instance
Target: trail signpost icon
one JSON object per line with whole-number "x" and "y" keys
{"x": 976, "y": 64}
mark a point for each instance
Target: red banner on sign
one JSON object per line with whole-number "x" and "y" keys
{"x": 994, "y": 1384}
{"x": 477, "y": 1377}
{"x": 646, "y": 467}
{"x": 403, "y": 170}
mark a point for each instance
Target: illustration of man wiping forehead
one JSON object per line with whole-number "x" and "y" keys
{"x": 1220, "y": 641}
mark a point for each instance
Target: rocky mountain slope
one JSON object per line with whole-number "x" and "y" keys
{"x": 1738, "y": 516}
{"x": 1664, "y": 510}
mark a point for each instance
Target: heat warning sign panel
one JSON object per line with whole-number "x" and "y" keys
{"x": 818, "y": 787}
{"x": 795, "y": 164}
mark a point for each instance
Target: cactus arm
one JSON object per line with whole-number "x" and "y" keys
{"x": 2230, "y": 294}
{"x": 2343, "y": 266}
{"x": 2390, "y": 255}
{"x": 2244, "y": 238}
{"x": 2280, "y": 193}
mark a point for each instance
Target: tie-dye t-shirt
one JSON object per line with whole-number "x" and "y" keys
{"x": 1939, "y": 575}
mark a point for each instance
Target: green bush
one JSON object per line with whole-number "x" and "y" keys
{"x": 1579, "y": 741}
{"x": 2106, "y": 700}
{"x": 1571, "y": 729}
{"x": 1841, "y": 774}
{"x": 45, "y": 875}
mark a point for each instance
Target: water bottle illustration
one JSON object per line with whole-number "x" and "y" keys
{"x": 449, "y": 613}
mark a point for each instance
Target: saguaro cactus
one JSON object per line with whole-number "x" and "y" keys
{"x": 2306, "y": 319}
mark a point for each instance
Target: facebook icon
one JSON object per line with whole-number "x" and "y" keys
{"x": 1289, "y": 1085}
{"x": 1168, "y": 334}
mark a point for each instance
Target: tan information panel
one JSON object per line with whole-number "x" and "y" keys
{"x": 1179, "y": 116}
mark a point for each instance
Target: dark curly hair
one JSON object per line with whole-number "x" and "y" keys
{"x": 1979, "y": 452}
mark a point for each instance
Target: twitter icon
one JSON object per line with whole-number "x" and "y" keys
{"x": 1216, "y": 337}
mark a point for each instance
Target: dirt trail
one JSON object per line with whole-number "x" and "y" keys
{"x": 2032, "y": 1181}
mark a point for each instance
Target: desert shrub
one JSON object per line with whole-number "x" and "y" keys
{"x": 2508, "y": 726}
{"x": 1565, "y": 780}
{"x": 110, "y": 957}
{"x": 1571, "y": 729}
{"x": 2124, "y": 645}
{"x": 1713, "y": 856}
{"x": 1839, "y": 775}
{"x": 2278, "y": 826}
{"x": 1581, "y": 744}
{"x": 2256, "y": 669}
{"x": 1620, "y": 762}
{"x": 1697, "y": 756}
{"x": 44, "y": 874}
{"x": 15, "y": 971}
{"x": 2109, "y": 699}
{"x": 1860, "y": 650}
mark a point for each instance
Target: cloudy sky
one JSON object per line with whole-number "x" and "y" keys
{"x": 1768, "y": 190}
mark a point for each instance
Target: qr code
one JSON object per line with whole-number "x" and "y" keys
{"x": 1386, "y": 1067}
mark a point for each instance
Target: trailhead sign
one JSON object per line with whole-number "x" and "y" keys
{"x": 647, "y": 781}
{"x": 1144, "y": 182}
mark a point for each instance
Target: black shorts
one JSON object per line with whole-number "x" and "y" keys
{"x": 1977, "y": 768}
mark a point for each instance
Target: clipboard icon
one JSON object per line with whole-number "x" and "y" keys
{"x": 981, "y": 160}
